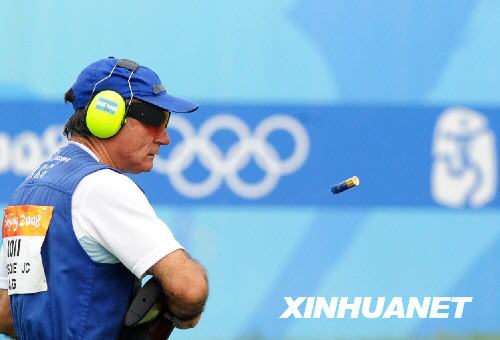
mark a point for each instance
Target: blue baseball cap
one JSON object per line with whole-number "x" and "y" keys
{"x": 113, "y": 74}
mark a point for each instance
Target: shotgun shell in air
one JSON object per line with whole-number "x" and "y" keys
{"x": 347, "y": 184}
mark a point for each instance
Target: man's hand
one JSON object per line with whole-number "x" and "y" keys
{"x": 160, "y": 328}
{"x": 182, "y": 324}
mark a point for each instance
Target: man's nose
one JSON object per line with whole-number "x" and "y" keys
{"x": 162, "y": 137}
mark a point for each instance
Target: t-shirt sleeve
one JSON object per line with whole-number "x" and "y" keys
{"x": 116, "y": 214}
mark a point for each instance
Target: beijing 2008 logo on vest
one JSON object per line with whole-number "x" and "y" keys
{"x": 24, "y": 229}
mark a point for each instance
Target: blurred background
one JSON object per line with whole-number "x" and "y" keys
{"x": 296, "y": 96}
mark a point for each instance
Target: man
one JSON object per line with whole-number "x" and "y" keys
{"x": 77, "y": 233}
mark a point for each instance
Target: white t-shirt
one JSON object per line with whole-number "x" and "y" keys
{"x": 114, "y": 222}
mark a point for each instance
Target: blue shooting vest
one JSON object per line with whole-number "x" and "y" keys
{"x": 85, "y": 299}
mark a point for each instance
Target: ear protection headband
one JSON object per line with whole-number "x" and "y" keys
{"x": 107, "y": 110}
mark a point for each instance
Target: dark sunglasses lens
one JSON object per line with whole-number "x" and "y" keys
{"x": 168, "y": 119}
{"x": 148, "y": 114}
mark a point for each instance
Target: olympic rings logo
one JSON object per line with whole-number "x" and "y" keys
{"x": 225, "y": 167}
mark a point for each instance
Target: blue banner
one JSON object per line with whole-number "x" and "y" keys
{"x": 292, "y": 155}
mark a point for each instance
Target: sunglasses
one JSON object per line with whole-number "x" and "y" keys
{"x": 148, "y": 113}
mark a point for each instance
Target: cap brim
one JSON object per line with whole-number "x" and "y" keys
{"x": 170, "y": 103}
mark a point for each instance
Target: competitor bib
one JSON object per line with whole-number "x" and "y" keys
{"x": 24, "y": 229}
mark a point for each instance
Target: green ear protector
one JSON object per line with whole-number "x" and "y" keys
{"x": 106, "y": 114}
{"x": 107, "y": 110}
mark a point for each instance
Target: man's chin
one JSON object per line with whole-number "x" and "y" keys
{"x": 145, "y": 167}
